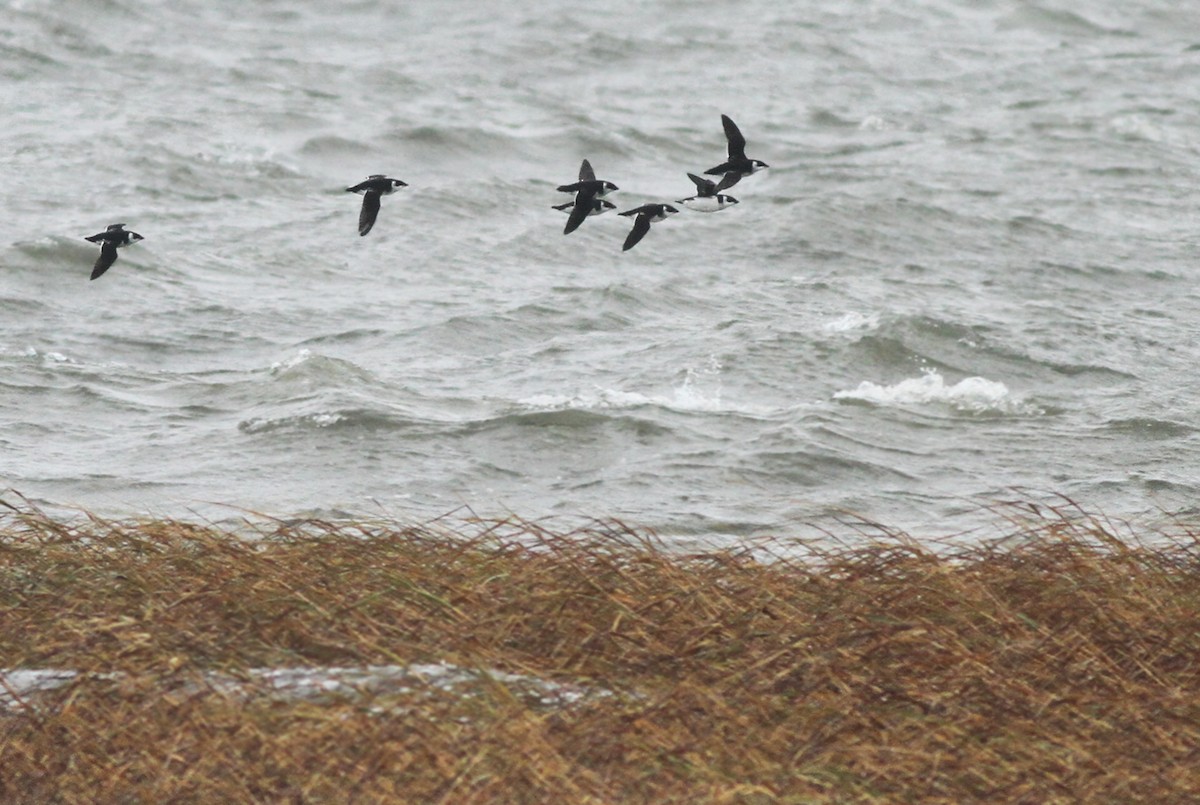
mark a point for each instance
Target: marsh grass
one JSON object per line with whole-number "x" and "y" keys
{"x": 1058, "y": 665}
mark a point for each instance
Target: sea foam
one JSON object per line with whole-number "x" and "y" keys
{"x": 973, "y": 394}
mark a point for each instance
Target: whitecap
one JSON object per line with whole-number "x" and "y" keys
{"x": 322, "y": 419}
{"x": 700, "y": 390}
{"x": 600, "y": 398}
{"x": 852, "y": 321}
{"x": 292, "y": 362}
{"x": 973, "y": 394}
{"x": 873, "y": 123}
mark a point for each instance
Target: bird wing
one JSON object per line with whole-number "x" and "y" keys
{"x": 737, "y": 143}
{"x": 703, "y": 186}
{"x": 586, "y": 174}
{"x": 108, "y": 256}
{"x": 641, "y": 225}
{"x": 729, "y": 180}
{"x": 583, "y": 205}
{"x": 370, "y": 209}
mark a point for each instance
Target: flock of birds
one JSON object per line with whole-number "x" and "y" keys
{"x": 589, "y": 200}
{"x": 590, "y": 191}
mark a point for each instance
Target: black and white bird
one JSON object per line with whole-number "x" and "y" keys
{"x": 586, "y": 191}
{"x": 709, "y": 197}
{"x": 376, "y": 186}
{"x": 599, "y": 207}
{"x": 110, "y": 240}
{"x": 646, "y": 215}
{"x": 738, "y": 163}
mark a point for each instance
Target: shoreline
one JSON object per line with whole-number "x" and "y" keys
{"x": 1057, "y": 663}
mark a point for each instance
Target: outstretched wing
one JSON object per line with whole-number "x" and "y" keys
{"x": 370, "y": 209}
{"x": 737, "y": 143}
{"x": 586, "y": 174}
{"x": 729, "y": 180}
{"x": 641, "y": 225}
{"x": 583, "y": 205}
{"x": 108, "y": 256}
{"x": 703, "y": 186}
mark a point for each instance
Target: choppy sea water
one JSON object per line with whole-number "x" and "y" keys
{"x": 969, "y": 273}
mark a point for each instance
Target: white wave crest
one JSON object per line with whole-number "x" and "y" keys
{"x": 684, "y": 398}
{"x": 972, "y": 394}
{"x": 300, "y": 357}
{"x": 852, "y": 321}
{"x": 701, "y": 390}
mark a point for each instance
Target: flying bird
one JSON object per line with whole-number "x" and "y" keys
{"x": 586, "y": 191}
{"x": 646, "y": 215}
{"x": 709, "y": 197}
{"x": 110, "y": 239}
{"x": 375, "y": 186}
{"x": 737, "y": 164}
{"x": 599, "y": 207}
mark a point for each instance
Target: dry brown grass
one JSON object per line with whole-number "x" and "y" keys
{"x": 1062, "y": 667}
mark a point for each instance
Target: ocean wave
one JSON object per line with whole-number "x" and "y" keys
{"x": 571, "y": 418}
{"x": 1056, "y": 22}
{"x": 41, "y": 357}
{"x": 455, "y": 144}
{"x": 13, "y": 305}
{"x": 975, "y": 395}
{"x": 320, "y": 370}
{"x": 1149, "y": 428}
{"x": 323, "y": 414}
{"x": 18, "y": 63}
{"x": 55, "y": 250}
{"x": 331, "y": 145}
{"x": 700, "y": 391}
{"x": 685, "y": 399}
{"x": 887, "y": 343}
{"x": 852, "y": 322}
{"x": 339, "y": 419}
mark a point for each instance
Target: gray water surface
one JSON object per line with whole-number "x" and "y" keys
{"x": 969, "y": 269}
